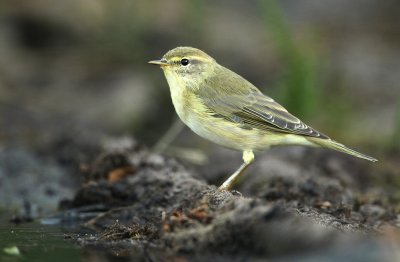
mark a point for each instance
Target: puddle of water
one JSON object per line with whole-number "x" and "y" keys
{"x": 35, "y": 242}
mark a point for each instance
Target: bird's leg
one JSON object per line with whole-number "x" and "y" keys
{"x": 248, "y": 158}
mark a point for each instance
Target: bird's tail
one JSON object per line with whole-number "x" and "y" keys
{"x": 329, "y": 143}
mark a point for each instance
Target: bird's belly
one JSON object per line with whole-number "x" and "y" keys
{"x": 234, "y": 136}
{"x": 214, "y": 129}
{"x": 225, "y": 133}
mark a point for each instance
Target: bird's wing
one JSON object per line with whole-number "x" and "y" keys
{"x": 233, "y": 98}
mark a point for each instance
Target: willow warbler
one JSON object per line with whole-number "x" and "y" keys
{"x": 225, "y": 108}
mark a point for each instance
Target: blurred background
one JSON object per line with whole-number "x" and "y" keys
{"x": 79, "y": 68}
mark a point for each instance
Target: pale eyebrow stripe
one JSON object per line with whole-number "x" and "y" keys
{"x": 178, "y": 58}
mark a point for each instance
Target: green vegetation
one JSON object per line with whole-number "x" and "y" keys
{"x": 299, "y": 86}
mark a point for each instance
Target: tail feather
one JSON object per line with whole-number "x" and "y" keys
{"x": 328, "y": 143}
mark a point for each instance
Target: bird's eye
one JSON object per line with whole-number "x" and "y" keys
{"x": 184, "y": 61}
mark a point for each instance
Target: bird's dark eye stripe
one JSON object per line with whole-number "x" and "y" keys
{"x": 184, "y": 61}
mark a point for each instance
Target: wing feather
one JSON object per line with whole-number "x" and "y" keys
{"x": 245, "y": 104}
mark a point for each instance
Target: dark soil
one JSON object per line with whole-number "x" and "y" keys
{"x": 140, "y": 205}
{"x": 118, "y": 199}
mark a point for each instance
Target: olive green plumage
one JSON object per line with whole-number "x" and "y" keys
{"x": 225, "y": 108}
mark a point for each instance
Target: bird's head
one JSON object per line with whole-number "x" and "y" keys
{"x": 188, "y": 64}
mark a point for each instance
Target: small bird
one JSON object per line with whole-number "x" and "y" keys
{"x": 220, "y": 105}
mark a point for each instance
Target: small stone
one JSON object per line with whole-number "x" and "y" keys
{"x": 372, "y": 211}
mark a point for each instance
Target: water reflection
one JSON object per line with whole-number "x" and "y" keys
{"x": 35, "y": 242}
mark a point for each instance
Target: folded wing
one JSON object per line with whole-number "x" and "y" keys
{"x": 246, "y": 105}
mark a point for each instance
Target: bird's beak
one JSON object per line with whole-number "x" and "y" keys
{"x": 161, "y": 62}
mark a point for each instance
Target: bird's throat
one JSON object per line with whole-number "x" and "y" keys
{"x": 178, "y": 94}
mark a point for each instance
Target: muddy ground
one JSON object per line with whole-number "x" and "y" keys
{"x": 119, "y": 199}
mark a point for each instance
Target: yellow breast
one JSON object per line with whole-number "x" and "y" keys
{"x": 178, "y": 94}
